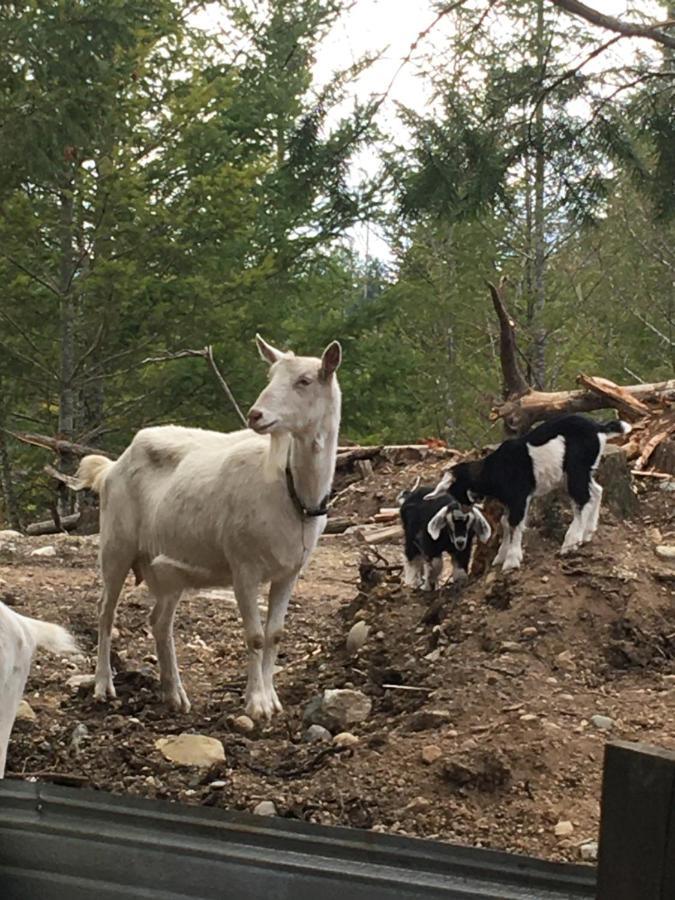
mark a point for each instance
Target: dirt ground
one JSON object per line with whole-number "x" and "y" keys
{"x": 501, "y": 680}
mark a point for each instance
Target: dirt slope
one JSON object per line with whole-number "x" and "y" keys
{"x": 502, "y": 679}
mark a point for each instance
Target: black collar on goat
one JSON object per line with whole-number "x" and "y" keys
{"x": 305, "y": 512}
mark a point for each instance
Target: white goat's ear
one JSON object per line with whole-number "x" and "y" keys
{"x": 437, "y": 524}
{"x": 481, "y": 526}
{"x": 330, "y": 361}
{"x": 442, "y": 485}
{"x": 269, "y": 353}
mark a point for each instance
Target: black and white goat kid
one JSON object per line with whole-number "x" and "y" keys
{"x": 432, "y": 528}
{"x": 565, "y": 451}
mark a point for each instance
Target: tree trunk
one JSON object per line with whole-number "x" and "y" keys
{"x": 9, "y": 502}
{"x": 66, "y": 425}
{"x": 539, "y": 331}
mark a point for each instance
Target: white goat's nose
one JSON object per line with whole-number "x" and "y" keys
{"x": 254, "y": 416}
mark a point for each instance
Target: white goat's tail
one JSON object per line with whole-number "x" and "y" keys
{"x": 91, "y": 473}
{"x": 51, "y": 637}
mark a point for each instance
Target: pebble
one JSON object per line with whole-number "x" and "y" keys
{"x": 602, "y": 723}
{"x": 510, "y": 647}
{"x": 431, "y": 753}
{"x": 666, "y": 551}
{"x": 589, "y": 851}
{"x": 426, "y": 719}
{"x": 345, "y": 739}
{"x": 563, "y": 829}
{"x": 76, "y": 681}
{"x": 25, "y": 712}
{"x": 358, "y": 635}
{"x": 218, "y": 785}
{"x": 191, "y": 750}
{"x": 265, "y": 808}
{"x": 529, "y": 717}
{"x": 530, "y": 631}
{"x": 47, "y": 552}
{"x": 336, "y": 709}
{"x": 317, "y": 733}
{"x": 243, "y": 724}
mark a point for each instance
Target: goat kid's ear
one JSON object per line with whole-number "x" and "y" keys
{"x": 330, "y": 361}
{"x": 437, "y": 524}
{"x": 269, "y": 353}
{"x": 481, "y": 526}
{"x": 442, "y": 485}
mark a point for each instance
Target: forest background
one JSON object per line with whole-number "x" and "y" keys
{"x": 175, "y": 173}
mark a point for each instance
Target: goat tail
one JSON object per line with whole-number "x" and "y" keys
{"x": 616, "y": 426}
{"x": 91, "y": 472}
{"x": 51, "y": 637}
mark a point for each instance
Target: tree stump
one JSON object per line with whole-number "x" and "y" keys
{"x": 617, "y": 483}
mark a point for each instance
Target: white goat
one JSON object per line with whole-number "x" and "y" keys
{"x": 186, "y": 508}
{"x": 19, "y": 637}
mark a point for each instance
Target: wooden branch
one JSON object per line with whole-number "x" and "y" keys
{"x": 541, "y": 405}
{"x": 207, "y": 354}
{"x": 72, "y": 482}
{"x": 626, "y": 29}
{"x": 514, "y": 382}
{"x": 49, "y": 526}
{"x": 615, "y": 395}
{"x": 346, "y": 457}
{"x": 57, "y": 445}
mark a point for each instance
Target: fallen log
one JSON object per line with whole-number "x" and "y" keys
{"x": 49, "y": 526}
{"x": 382, "y": 535}
{"x": 58, "y": 445}
{"x": 348, "y": 455}
{"x": 339, "y": 524}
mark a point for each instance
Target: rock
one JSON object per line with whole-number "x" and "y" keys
{"x": 336, "y": 709}
{"x": 316, "y": 733}
{"x": 602, "y": 723}
{"x": 47, "y": 552}
{"x": 426, "y": 719}
{"x": 77, "y": 681}
{"x": 430, "y": 754}
{"x": 666, "y": 551}
{"x": 8, "y": 534}
{"x": 563, "y": 829}
{"x": 565, "y": 660}
{"x": 530, "y": 631}
{"x": 218, "y": 785}
{"x": 345, "y": 739}
{"x": 243, "y": 724}
{"x": 358, "y": 635}
{"x": 191, "y": 750}
{"x": 589, "y": 851}
{"x": 80, "y": 733}
{"x": 529, "y": 717}
{"x": 25, "y": 712}
{"x": 667, "y": 486}
{"x": 265, "y": 808}
{"x": 510, "y": 647}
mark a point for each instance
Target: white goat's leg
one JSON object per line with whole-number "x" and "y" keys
{"x": 277, "y": 606}
{"x": 246, "y": 587}
{"x": 11, "y": 698}
{"x": 113, "y": 575}
{"x": 412, "y": 572}
{"x": 161, "y": 621}
{"x": 514, "y": 554}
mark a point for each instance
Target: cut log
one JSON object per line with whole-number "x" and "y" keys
{"x": 338, "y": 524}
{"x": 535, "y": 406}
{"x": 364, "y": 467}
{"x": 382, "y": 535}
{"x": 49, "y": 526}
{"x": 347, "y": 456}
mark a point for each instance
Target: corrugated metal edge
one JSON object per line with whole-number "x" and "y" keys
{"x": 87, "y": 823}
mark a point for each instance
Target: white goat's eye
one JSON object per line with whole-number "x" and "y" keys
{"x": 303, "y": 381}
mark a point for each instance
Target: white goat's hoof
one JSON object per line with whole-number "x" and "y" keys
{"x": 260, "y": 706}
{"x": 176, "y": 698}
{"x": 104, "y": 689}
{"x": 570, "y": 548}
{"x": 511, "y": 565}
{"x": 276, "y": 703}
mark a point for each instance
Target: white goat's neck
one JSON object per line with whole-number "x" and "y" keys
{"x": 312, "y": 456}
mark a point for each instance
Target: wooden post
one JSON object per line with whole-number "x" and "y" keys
{"x": 637, "y": 827}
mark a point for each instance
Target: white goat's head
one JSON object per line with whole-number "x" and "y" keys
{"x": 302, "y": 395}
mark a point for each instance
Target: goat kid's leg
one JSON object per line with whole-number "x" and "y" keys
{"x": 161, "y": 622}
{"x": 505, "y": 544}
{"x": 412, "y": 571}
{"x": 113, "y": 581}
{"x": 517, "y": 521}
{"x": 591, "y": 525}
{"x": 432, "y": 571}
{"x": 246, "y": 587}
{"x": 277, "y": 606}
{"x": 13, "y": 691}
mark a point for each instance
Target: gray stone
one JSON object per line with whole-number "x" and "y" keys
{"x": 427, "y": 719}
{"x": 345, "y": 739}
{"x": 243, "y": 724}
{"x": 602, "y": 723}
{"x": 336, "y": 709}
{"x": 358, "y": 635}
{"x": 563, "y": 829}
{"x": 317, "y": 733}
{"x": 589, "y": 851}
{"x": 77, "y": 681}
{"x": 191, "y": 750}
{"x": 47, "y": 552}
{"x": 265, "y": 808}
{"x": 25, "y": 712}
{"x": 667, "y": 486}
{"x": 666, "y": 551}
{"x": 8, "y": 534}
